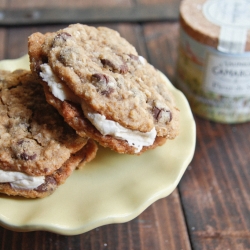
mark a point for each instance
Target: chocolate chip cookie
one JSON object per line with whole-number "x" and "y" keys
{"x": 103, "y": 88}
{"x": 38, "y": 150}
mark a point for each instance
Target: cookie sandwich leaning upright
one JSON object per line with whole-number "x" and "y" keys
{"x": 103, "y": 88}
{"x": 38, "y": 150}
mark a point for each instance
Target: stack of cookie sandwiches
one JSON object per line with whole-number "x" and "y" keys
{"x": 86, "y": 85}
{"x": 103, "y": 88}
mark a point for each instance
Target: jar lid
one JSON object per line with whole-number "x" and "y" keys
{"x": 224, "y": 24}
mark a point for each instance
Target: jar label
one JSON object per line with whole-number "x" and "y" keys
{"x": 233, "y": 16}
{"x": 227, "y": 75}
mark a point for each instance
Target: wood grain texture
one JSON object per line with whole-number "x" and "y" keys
{"x": 43, "y": 16}
{"x": 215, "y": 189}
{"x": 18, "y": 12}
{"x": 80, "y": 3}
{"x": 2, "y": 43}
{"x": 217, "y": 201}
{"x": 17, "y": 39}
{"x": 3, "y": 3}
{"x": 158, "y": 227}
{"x": 66, "y": 3}
{"x": 152, "y": 2}
{"x": 162, "y": 40}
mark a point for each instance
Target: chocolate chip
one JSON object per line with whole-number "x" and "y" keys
{"x": 170, "y": 116}
{"x": 62, "y": 59}
{"x": 107, "y": 92}
{"x": 106, "y": 62}
{"x": 123, "y": 69}
{"x": 159, "y": 113}
{"x": 101, "y": 82}
{"x": 49, "y": 181}
{"x": 134, "y": 57}
{"x": 98, "y": 77}
{"x": 156, "y": 113}
{"x": 24, "y": 156}
{"x": 20, "y": 142}
{"x": 42, "y": 188}
{"x": 64, "y": 36}
{"x": 37, "y": 64}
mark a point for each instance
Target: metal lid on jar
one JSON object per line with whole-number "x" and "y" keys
{"x": 224, "y": 24}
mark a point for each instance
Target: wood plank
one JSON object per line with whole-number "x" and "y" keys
{"x": 217, "y": 201}
{"x": 65, "y": 3}
{"x": 2, "y": 43}
{"x": 162, "y": 42}
{"x": 169, "y": 225}
{"x": 158, "y": 227}
{"x": 85, "y": 3}
{"x": 134, "y": 36}
{"x": 17, "y": 39}
{"x": 138, "y": 13}
{"x": 3, "y": 3}
{"x": 152, "y": 2}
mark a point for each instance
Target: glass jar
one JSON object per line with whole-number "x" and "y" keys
{"x": 213, "y": 67}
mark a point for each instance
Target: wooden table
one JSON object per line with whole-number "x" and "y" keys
{"x": 210, "y": 208}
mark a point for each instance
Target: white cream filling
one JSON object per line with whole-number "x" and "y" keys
{"x": 57, "y": 88}
{"x": 136, "y": 139}
{"x": 61, "y": 91}
{"x": 142, "y": 60}
{"x": 20, "y": 180}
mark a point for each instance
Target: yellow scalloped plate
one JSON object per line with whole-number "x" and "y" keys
{"x": 113, "y": 188}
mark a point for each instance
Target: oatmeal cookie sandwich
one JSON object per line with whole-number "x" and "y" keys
{"x": 38, "y": 150}
{"x": 103, "y": 88}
